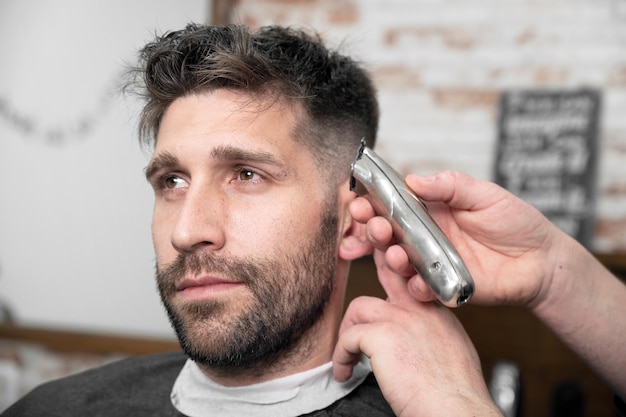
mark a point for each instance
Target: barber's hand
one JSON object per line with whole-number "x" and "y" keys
{"x": 510, "y": 248}
{"x": 422, "y": 358}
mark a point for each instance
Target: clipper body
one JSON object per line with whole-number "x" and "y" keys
{"x": 430, "y": 252}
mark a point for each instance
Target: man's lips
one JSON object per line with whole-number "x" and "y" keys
{"x": 205, "y": 287}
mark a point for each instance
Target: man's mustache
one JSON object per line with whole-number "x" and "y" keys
{"x": 200, "y": 262}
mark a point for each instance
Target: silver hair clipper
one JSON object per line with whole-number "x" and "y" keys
{"x": 430, "y": 252}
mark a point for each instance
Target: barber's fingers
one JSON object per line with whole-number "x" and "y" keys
{"x": 389, "y": 334}
{"x": 350, "y": 347}
{"x": 378, "y": 232}
{"x": 369, "y": 322}
{"x": 358, "y": 340}
{"x": 365, "y": 329}
{"x": 361, "y": 209}
{"x": 397, "y": 260}
{"x": 407, "y": 284}
{"x": 419, "y": 290}
{"x": 394, "y": 284}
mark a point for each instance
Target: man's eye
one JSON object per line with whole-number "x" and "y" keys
{"x": 246, "y": 175}
{"x": 173, "y": 182}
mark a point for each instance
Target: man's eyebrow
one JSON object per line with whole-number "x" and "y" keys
{"x": 231, "y": 153}
{"x": 159, "y": 162}
{"x": 166, "y": 160}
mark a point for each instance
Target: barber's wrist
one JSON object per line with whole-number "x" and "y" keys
{"x": 571, "y": 265}
{"x": 461, "y": 404}
{"x": 475, "y": 407}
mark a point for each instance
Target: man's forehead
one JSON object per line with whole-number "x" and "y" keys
{"x": 287, "y": 116}
{"x": 228, "y": 105}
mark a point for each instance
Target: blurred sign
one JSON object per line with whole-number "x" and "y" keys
{"x": 547, "y": 154}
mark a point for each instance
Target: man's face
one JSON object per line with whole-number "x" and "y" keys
{"x": 245, "y": 239}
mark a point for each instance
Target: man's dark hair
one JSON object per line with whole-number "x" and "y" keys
{"x": 336, "y": 94}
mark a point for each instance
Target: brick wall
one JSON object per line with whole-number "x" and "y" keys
{"x": 440, "y": 67}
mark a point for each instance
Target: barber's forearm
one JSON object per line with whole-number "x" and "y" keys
{"x": 585, "y": 307}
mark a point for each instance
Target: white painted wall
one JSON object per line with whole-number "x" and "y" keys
{"x": 75, "y": 209}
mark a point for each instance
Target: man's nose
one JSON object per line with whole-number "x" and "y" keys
{"x": 201, "y": 220}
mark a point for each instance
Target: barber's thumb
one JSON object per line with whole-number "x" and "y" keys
{"x": 418, "y": 183}
{"x": 436, "y": 187}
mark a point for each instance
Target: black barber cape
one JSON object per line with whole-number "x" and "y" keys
{"x": 141, "y": 387}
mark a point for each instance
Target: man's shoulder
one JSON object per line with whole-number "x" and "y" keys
{"x": 133, "y": 386}
{"x": 155, "y": 370}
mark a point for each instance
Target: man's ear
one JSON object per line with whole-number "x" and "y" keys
{"x": 353, "y": 243}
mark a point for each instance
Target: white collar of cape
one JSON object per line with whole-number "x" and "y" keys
{"x": 196, "y": 395}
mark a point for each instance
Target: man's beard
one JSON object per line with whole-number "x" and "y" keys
{"x": 288, "y": 296}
